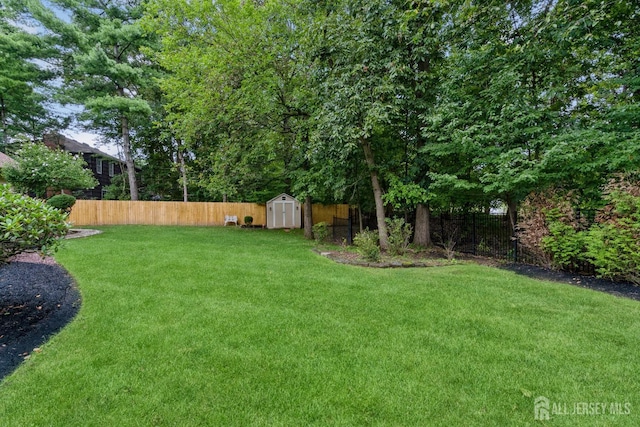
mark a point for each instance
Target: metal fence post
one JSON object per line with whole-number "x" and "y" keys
{"x": 473, "y": 234}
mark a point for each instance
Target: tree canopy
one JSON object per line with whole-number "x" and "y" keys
{"x": 398, "y": 106}
{"x": 25, "y": 79}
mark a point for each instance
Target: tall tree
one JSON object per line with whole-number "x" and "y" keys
{"x": 236, "y": 92}
{"x": 25, "y": 78}
{"x": 534, "y": 93}
{"x": 356, "y": 60}
{"x": 104, "y": 68}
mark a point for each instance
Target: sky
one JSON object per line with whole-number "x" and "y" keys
{"x": 92, "y": 140}
{"x": 80, "y": 135}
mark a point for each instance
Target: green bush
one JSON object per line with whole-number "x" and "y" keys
{"x": 613, "y": 245}
{"x": 564, "y": 243}
{"x": 399, "y": 235}
{"x": 366, "y": 243}
{"x": 614, "y": 251}
{"x": 64, "y": 202}
{"x": 39, "y": 169}
{"x": 27, "y": 224}
{"x": 248, "y": 220}
{"x": 320, "y": 231}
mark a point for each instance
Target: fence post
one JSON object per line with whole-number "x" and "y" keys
{"x": 473, "y": 233}
{"x": 350, "y": 228}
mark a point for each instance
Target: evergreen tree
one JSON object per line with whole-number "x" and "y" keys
{"x": 104, "y": 67}
{"x": 25, "y": 79}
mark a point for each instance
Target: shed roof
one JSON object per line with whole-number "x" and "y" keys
{"x": 279, "y": 197}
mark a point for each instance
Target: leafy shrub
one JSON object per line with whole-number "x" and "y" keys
{"x": 613, "y": 245}
{"x": 64, "y": 202}
{"x": 40, "y": 168}
{"x": 320, "y": 231}
{"x": 615, "y": 250}
{"x": 399, "y": 235}
{"x": 564, "y": 243}
{"x": 537, "y": 212}
{"x": 248, "y": 220}
{"x": 27, "y": 224}
{"x": 366, "y": 243}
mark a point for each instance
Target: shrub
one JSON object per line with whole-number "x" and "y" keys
{"x": 40, "y": 168}
{"x": 614, "y": 250}
{"x": 537, "y": 212}
{"x": 64, "y": 202}
{"x": 399, "y": 235}
{"x": 613, "y": 245}
{"x": 564, "y": 243}
{"x": 248, "y": 220}
{"x": 27, "y": 224}
{"x": 320, "y": 231}
{"x": 366, "y": 243}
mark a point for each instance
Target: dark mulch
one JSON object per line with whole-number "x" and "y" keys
{"x": 620, "y": 289}
{"x": 36, "y": 301}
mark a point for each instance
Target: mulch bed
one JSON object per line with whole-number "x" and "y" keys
{"x": 37, "y": 299}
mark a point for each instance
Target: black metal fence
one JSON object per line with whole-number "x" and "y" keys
{"x": 342, "y": 230}
{"x": 471, "y": 233}
{"x": 488, "y": 235}
{"x": 475, "y": 233}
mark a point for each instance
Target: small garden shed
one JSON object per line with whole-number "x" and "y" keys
{"x": 284, "y": 211}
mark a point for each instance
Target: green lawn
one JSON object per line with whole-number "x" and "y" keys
{"x": 227, "y": 326}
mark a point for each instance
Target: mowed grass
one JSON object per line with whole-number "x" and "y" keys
{"x": 196, "y": 326}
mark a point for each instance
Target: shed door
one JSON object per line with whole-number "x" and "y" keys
{"x": 283, "y": 212}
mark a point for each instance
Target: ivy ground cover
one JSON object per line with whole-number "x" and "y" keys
{"x": 227, "y": 326}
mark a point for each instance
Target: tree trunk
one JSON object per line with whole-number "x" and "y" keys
{"x": 128, "y": 158}
{"x": 422, "y": 232}
{"x": 308, "y": 218}
{"x": 183, "y": 174}
{"x": 512, "y": 211}
{"x": 3, "y": 119}
{"x": 377, "y": 193}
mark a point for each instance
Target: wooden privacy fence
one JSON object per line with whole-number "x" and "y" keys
{"x": 120, "y": 212}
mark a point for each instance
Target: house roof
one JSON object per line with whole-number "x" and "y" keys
{"x": 73, "y": 146}
{"x": 6, "y": 160}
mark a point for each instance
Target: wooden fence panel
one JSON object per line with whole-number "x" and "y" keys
{"x": 118, "y": 212}
{"x": 327, "y": 212}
